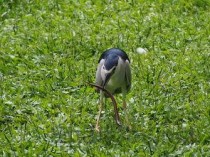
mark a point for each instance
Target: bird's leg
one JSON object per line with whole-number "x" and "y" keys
{"x": 125, "y": 111}
{"x": 99, "y": 112}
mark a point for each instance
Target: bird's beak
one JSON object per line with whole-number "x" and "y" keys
{"x": 107, "y": 78}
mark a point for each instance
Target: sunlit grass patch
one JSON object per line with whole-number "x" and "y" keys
{"x": 50, "y": 49}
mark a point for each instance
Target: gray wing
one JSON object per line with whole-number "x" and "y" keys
{"x": 99, "y": 80}
{"x": 128, "y": 75}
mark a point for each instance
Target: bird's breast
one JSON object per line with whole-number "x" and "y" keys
{"x": 117, "y": 80}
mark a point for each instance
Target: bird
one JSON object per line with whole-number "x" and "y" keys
{"x": 113, "y": 74}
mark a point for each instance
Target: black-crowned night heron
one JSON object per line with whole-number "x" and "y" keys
{"x": 113, "y": 74}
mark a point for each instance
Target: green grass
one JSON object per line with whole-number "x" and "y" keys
{"x": 50, "y": 49}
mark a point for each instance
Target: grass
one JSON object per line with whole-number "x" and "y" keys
{"x": 49, "y": 50}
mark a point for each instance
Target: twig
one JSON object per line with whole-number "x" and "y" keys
{"x": 117, "y": 117}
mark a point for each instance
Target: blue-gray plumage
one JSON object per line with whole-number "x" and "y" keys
{"x": 114, "y": 74}
{"x": 115, "y": 51}
{"x": 111, "y": 60}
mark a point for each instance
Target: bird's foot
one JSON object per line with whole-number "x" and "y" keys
{"x": 97, "y": 128}
{"x": 118, "y": 122}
